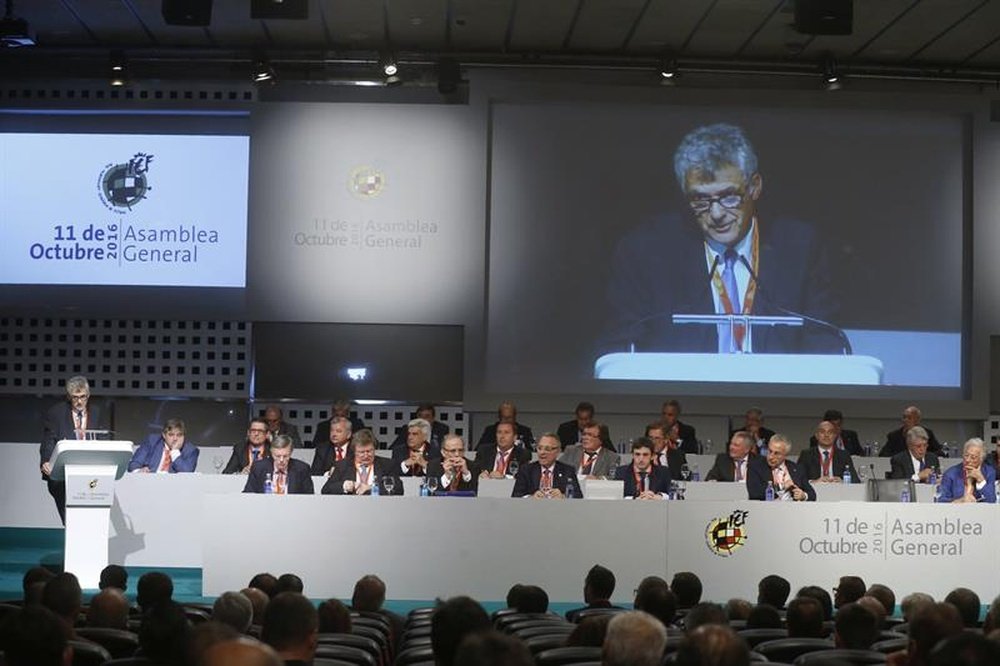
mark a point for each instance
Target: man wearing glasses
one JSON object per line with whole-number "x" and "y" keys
{"x": 453, "y": 470}
{"x": 288, "y": 476}
{"x": 358, "y": 474}
{"x": 547, "y": 478}
{"x": 256, "y": 447}
{"x": 729, "y": 261}
{"x": 77, "y": 418}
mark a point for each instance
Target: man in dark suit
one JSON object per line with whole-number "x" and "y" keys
{"x": 788, "y": 479}
{"x": 546, "y": 477}
{"x": 427, "y": 412}
{"x": 245, "y": 454}
{"x": 753, "y": 423}
{"x": 669, "y": 458}
{"x": 288, "y": 476}
{"x": 598, "y": 587}
{"x": 642, "y": 479}
{"x": 494, "y": 460}
{"x": 722, "y": 257}
{"x": 453, "y": 471}
{"x": 845, "y": 440}
{"x": 571, "y": 432}
{"x": 507, "y": 413}
{"x": 68, "y": 420}
{"x": 732, "y": 465}
{"x": 825, "y": 463}
{"x": 167, "y": 452}
{"x": 896, "y": 440}
{"x": 341, "y": 409}
{"x": 686, "y": 438}
{"x": 277, "y": 425}
{"x": 916, "y": 462}
{"x": 337, "y": 447}
{"x": 358, "y": 474}
{"x": 412, "y": 460}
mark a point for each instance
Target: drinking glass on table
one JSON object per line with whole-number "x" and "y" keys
{"x": 512, "y": 467}
{"x": 388, "y": 483}
{"x": 432, "y": 484}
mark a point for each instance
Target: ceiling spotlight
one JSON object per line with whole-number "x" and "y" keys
{"x": 262, "y": 71}
{"x": 387, "y": 63}
{"x": 832, "y": 78}
{"x": 118, "y": 66}
{"x": 668, "y": 68}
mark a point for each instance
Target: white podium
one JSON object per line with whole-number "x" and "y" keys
{"x": 89, "y": 469}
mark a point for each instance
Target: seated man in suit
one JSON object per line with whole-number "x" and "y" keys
{"x": 665, "y": 454}
{"x": 972, "y": 481}
{"x": 845, "y": 440}
{"x": 356, "y": 475}
{"x": 754, "y": 424}
{"x": 507, "y": 413}
{"x": 547, "y": 477}
{"x": 167, "y": 452}
{"x": 788, "y": 479}
{"x": 341, "y": 409}
{"x": 412, "y": 459}
{"x": 896, "y": 441}
{"x": 825, "y": 463}
{"x": 337, "y": 447}
{"x": 589, "y": 457}
{"x": 571, "y": 432}
{"x": 732, "y": 466}
{"x": 277, "y": 425}
{"x": 598, "y": 587}
{"x": 686, "y": 438}
{"x": 288, "y": 476}
{"x": 256, "y": 447}
{"x": 916, "y": 462}
{"x": 494, "y": 459}
{"x": 453, "y": 470}
{"x": 642, "y": 479}
{"x": 427, "y": 412}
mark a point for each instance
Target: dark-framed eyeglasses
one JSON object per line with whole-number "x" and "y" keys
{"x": 702, "y": 204}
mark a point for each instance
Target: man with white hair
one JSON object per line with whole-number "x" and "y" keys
{"x": 634, "y": 638}
{"x": 233, "y": 609}
{"x": 915, "y": 462}
{"x": 972, "y": 481}
{"x": 412, "y": 459}
{"x": 788, "y": 479}
{"x": 895, "y": 440}
{"x": 337, "y": 446}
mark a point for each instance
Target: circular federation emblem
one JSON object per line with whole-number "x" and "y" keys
{"x": 723, "y": 537}
{"x": 366, "y": 182}
{"x": 122, "y": 186}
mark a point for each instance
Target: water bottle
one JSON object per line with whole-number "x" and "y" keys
{"x": 769, "y": 493}
{"x": 376, "y": 491}
{"x": 937, "y": 494}
{"x": 904, "y": 494}
{"x": 424, "y": 490}
{"x": 268, "y": 485}
{"x": 695, "y": 473}
{"x": 847, "y": 475}
{"x": 932, "y": 479}
{"x": 945, "y": 448}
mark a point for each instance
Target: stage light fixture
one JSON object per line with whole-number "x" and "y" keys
{"x": 832, "y": 78}
{"x": 118, "y": 66}
{"x": 262, "y": 71}
{"x": 668, "y": 68}
{"x": 387, "y": 63}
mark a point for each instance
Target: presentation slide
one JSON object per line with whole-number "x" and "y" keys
{"x": 123, "y": 209}
{"x": 725, "y": 246}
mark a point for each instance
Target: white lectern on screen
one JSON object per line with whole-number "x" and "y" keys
{"x": 90, "y": 469}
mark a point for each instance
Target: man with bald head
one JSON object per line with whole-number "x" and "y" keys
{"x": 895, "y": 440}
{"x": 241, "y": 652}
{"x": 732, "y": 465}
{"x": 258, "y": 599}
{"x": 108, "y": 610}
{"x": 825, "y": 463}
{"x": 713, "y": 645}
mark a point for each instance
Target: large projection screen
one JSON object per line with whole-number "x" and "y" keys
{"x": 858, "y": 229}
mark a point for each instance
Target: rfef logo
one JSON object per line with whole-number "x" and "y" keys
{"x": 122, "y": 186}
{"x": 725, "y": 536}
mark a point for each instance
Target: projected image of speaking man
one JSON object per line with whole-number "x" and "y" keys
{"x": 722, "y": 255}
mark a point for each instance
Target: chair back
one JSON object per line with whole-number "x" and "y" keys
{"x": 352, "y": 640}
{"x": 838, "y": 657}
{"x": 563, "y": 656}
{"x": 890, "y": 490}
{"x": 891, "y": 645}
{"x": 756, "y": 636}
{"x": 415, "y": 655}
{"x": 789, "y": 649}
{"x": 350, "y": 654}
{"x": 118, "y": 642}
{"x": 538, "y": 644}
{"x": 86, "y": 653}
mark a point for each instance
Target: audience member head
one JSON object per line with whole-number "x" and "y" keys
{"x": 451, "y": 622}
{"x": 875, "y": 607}
{"x": 855, "y": 628}
{"x": 114, "y": 575}
{"x": 369, "y": 594}
{"x": 291, "y": 625}
{"x": 153, "y": 589}
{"x": 634, "y": 638}
{"x": 913, "y": 602}
{"x": 992, "y": 620}
{"x": 266, "y": 583}
{"x": 773, "y": 590}
{"x": 764, "y": 616}
{"x": 514, "y": 595}
{"x": 702, "y": 613}
{"x": 713, "y": 645}
{"x": 804, "y": 618}
{"x": 886, "y": 596}
{"x": 655, "y": 597}
{"x": 738, "y": 609}
{"x": 33, "y": 584}
{"x": 243, "y": 651}
{"x": 532, "y": 599}
{"x": 259, "y": 602}
{"x": 334, "y": 617}
{"x": 289, "y": 582}
{"x": 967, "y": 603}
{"x": 205, "y": 635}
{"x": 930, "y": 625}
{"x": 687, "y": 587}
{"x": 599, "y": 584}
{"x": 35, "y": 636}
{"x": 848, "y": 590}
{"x": 164, "y": 633}
{"x": 108, "y": 609}
{"x": 63, "y": 597}
{"x": 491, "y": 648}
{"x": 820, "y": 595}
{"x": 590, "y": 632}
{"x": 233, "y": 609}
{"x": 966, "y": 649}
